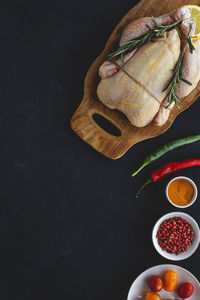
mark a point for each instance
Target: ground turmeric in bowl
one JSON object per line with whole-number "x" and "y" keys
{"x": 181, "y": 191}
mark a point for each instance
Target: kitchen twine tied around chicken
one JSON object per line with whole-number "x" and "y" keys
{"x": 151, "y": 35}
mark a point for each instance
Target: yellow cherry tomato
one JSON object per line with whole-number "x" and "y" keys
{"x": 170, "y": 279}
{"x": 152, "y": 296}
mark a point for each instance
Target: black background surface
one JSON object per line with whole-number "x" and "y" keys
{"x": 70, "y": 226}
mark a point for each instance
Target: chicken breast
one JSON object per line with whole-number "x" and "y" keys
{"x": 137, "y": 88}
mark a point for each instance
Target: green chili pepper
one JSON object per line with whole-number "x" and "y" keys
{"x": 166, "y": 148}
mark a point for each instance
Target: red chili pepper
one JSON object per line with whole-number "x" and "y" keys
{"x": 170, "y": 168}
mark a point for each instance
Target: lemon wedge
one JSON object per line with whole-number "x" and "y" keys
{"x": 195, "y": 13}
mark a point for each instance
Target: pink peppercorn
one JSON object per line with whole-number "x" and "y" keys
{"x": 175, "y": 235}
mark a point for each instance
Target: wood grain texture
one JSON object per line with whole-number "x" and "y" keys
{"x": 82, "y": 122}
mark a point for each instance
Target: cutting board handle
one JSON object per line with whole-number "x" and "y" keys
{"x": 86, "y": 127}
{"x": 106, "y": 124}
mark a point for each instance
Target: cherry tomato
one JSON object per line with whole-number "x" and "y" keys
{"x": 155, "y": 283}
{"x": 170, "y": 279}
{"x": 152, "y": 296}
{"x": 185, "y": 290}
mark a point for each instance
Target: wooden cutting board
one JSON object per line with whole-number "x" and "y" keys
{"x": 82, "y": 121}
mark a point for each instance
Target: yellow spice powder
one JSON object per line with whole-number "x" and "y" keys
{"x": 181, "y": 192}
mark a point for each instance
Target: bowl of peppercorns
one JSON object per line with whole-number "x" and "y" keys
{"x": 176, "y": 236}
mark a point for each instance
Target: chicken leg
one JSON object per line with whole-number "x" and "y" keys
{"x": 140, "y": 26}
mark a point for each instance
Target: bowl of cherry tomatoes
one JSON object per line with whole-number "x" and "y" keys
{"x": 165, "y": 282}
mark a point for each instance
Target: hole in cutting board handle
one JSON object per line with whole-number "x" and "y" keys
{"x": 106, "y": 125}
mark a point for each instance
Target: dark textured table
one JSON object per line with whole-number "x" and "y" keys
{"x": 71, "y": 227}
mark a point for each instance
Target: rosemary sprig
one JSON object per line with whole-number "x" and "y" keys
{"x": 189, "y": 41}
{"x": 128, "y": 46}
{"x": 176, "y": 78}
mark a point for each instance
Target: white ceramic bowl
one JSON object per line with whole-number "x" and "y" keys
{"x": 191, "y": 249}
{"x": 194, "y": 196}
{"x": 139, "y": 287}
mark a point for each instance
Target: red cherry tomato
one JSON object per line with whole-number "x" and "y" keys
{"x": 185, "y": 290}
{"x": 155, "y": 283}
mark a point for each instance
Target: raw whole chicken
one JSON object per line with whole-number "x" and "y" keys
{"x": 136, "y": 86}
